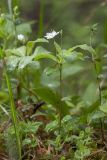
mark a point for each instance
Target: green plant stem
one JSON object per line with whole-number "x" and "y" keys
{"x": 13, "y": 113}
{"x": 99, "y": 87}
{"x": 60, "y": 80}
{"x": 60, "y": 106}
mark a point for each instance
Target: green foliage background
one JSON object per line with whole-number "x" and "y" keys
{"x": 72, "y": 16}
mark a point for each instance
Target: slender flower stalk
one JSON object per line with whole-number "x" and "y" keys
{"x": 60, "y": 80}
{"x": 60, "y": 107}
{"x": 52, "y": 35}
{"x": 98, "y": 82}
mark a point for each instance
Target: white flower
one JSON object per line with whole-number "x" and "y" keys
{"x": 20, "y": 37}
{"x": 51, "y": 35}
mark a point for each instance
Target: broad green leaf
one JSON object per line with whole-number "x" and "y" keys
{"x": 41, "y": 53}
{"x": 72, "y": 56}
{"x": 87, "y": 48}
{"x": 103, "y": 107}
{"x": 95, "y": 116}
{"x": 45, "y": 56}
{"x": 50, "y": 76}
{"x": 51, "y": 97}
{"x": 6, "y": 26}
{"x": 91, "y": 108}
{"x": 24, "y": 28}
{"x": 40, "y": 49}
{"x": 69, "y": 70}
{"x": 84, "y": 47}
{"x": 25, "y": 61}
{"x": 12, "y": 62}
{"x": 30, "y": 44}
{"x": 33, "y": 65}
{"x": 90, "y": 95}
{"x": 20, "y": 52}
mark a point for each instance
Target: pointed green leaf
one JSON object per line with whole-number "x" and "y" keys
{"x": 30, "y": 44}
{"x": 84, "y": 47}
{"x": 41, "y": 53}
{"x": 41, "y": 40}
{"x": 58, "y": 48}
{"x": 45, "y": 56}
